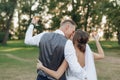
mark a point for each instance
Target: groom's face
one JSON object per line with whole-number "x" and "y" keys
{"x": 71, "y": 37}
{"x": 71, "y": 31}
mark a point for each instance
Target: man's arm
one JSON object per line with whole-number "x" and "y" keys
{"x": 71, "y": 58}
{"x": 30, "y": 39}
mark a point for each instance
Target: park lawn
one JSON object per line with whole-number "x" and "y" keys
{"x": 111, "y": 48}
{"x": 18, "y": 61}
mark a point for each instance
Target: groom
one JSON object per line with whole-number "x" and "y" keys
{"x": 54, "y": 47}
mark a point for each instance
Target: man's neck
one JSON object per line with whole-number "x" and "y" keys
{"x": 62, "y": 31}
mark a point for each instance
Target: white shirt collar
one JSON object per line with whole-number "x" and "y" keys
{"x": 60, "y": 32}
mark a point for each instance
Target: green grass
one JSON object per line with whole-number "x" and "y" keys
{"x": 12, "y": 69}
{"x": 111, "y": 48}
{"x": 18, "y": 61}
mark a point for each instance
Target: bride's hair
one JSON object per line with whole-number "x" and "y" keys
{"x": 80, "y": 39}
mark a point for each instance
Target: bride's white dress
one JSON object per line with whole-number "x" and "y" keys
{"x": 89, "y": 68}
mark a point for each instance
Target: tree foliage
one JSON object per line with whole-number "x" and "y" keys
{"x": 87, "y": 14}
{"x": 7, "y": 7}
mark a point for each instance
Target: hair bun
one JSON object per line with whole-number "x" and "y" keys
{"x": 81, "y": 38}
{"x": 82, "y": 46}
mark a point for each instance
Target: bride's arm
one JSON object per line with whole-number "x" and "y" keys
{"x": 56, "y": 74}
{"x": 100, "y": 54}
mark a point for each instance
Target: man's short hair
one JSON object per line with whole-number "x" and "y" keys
{"x": 68, "y": 21}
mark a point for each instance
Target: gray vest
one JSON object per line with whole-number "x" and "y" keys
{"x": 52, "y": 52}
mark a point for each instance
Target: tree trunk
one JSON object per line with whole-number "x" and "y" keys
{"x": 118, "y": 36}
{"x": 7, "y": 30}
{"x": 8, "y": 23}
{"x": 87, "y": 14}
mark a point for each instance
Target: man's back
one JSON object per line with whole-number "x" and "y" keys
{"x": 52, "y": 51}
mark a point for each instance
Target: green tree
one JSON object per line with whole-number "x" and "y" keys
{"x": 112, "y": 10}
{"x": 81, "y": 11}
{"x": 7, "y": 7}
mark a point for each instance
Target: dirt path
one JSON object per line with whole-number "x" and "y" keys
{"x": 110, "y": 59}
{"x": 109, "y": 68}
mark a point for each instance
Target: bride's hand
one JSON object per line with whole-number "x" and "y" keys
{"x": 39, "y": 64}
{"x": 95, "y": 36}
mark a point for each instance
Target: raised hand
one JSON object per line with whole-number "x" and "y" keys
{"x": 35, "y": 20}
{"x": 95, "y": 35}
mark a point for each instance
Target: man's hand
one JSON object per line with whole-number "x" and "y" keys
{"x": 35, "y": 20}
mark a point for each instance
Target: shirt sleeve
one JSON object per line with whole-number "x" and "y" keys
{"x": 30, "y": 39}
{"x": 73, "y": 63}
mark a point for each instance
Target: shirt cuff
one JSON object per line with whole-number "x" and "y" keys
{"x": 32, "y": 24}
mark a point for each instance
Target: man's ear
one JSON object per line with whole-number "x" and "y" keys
{"x": 67, "y": 27}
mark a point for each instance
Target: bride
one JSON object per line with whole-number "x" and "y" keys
{"x": 85, "y": 58}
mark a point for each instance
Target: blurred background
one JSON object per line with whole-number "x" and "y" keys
{"x": 18, "y": 61}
